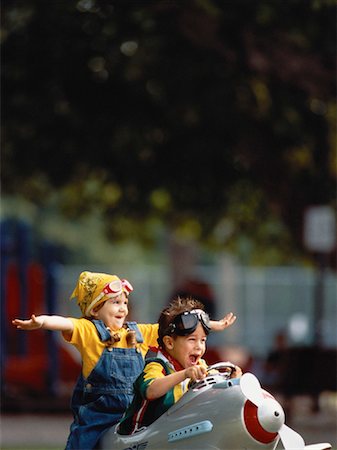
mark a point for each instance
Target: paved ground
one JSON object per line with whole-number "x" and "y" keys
{"x": 26, "y": 431}
{"x": 49, "y": 431}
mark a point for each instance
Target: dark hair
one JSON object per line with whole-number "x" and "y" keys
{"x": 176, "y": 307}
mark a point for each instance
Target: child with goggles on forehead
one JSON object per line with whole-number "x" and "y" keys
{"x": 112, "y": 352}
{"x": 182, "y": 335}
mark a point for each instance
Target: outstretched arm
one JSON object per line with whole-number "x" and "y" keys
{"x": 56, "y": 323}
{"x": 227, "y": 321}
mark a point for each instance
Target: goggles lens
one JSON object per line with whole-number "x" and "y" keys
{"x": 117, "y": 286}
{"x": 186, "y": 322}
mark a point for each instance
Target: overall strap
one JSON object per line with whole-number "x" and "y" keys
{"x": 134, "y": 327}
{"x": 102, "y": 331}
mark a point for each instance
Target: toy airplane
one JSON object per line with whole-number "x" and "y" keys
{"x": 217, "y": 413}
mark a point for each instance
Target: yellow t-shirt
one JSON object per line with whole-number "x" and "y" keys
{"x": 86, "y": 339}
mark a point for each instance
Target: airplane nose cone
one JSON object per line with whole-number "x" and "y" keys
{"x": 271, "y": 415}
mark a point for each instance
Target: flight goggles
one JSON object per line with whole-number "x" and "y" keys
{"x": 187, "y": 322}
{"x": 117, "y": 287}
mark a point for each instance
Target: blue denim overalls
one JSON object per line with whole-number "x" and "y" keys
{"x": 99, "y": 401}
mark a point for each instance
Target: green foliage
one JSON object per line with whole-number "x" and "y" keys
{"x": 189, "y": 114}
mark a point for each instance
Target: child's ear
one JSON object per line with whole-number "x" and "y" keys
{"x": 93, "y": 313}
{"x": 168, "y": 342}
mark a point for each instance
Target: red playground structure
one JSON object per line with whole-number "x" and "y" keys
{"x": 38, "y": 370}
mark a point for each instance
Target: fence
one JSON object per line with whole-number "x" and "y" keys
{"x": 265, "y": 300}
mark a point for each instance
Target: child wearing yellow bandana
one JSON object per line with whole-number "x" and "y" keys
{"x": 112, "y": 352}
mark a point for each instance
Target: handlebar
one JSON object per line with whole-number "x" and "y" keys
{"x": 225, "y": 369}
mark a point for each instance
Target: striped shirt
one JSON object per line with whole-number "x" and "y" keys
{"x": 142, "y": 412}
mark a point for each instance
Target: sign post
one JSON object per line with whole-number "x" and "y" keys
{"x": 319, "y": 238}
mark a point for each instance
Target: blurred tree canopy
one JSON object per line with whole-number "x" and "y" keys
{"x": 213, "y": 117}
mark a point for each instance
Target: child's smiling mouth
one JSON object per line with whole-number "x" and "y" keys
{"x": 194, "y": 359}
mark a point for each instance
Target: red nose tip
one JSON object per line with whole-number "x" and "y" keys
{"x": 253, "y": 425}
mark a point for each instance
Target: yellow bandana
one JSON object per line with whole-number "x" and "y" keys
{"x": 93, "y": 289}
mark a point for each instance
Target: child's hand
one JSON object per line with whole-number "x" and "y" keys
{"x": 237, "y": 372}
{"x": 196, "y": 373}
{"x": 33, "y": 323}
{"x": 227, "y": 321}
